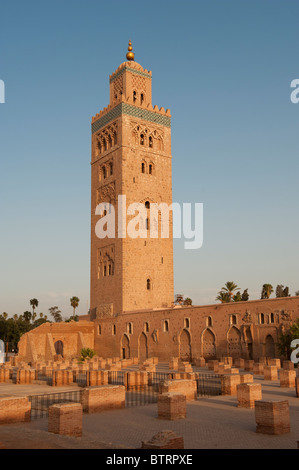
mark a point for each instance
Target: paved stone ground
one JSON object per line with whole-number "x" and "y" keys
{"x": 9, "y": 389}
{"x": 211, "y": 423}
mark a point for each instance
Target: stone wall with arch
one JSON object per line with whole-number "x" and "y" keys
{"x": 109, "y": 335}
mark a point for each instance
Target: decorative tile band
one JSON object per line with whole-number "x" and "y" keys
{"x": 137, "y": 72}
{"x": 130, "y": 110}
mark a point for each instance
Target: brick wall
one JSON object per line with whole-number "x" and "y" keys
{"x": 270, "y": 373}
{"x": 272, "y": 417}
{"x": 184, "y": 387}
{"x": 66, "y": 419}
{"x": 247, "y": 394}
{"x": 14, "y": 409}
{"x": 229, "y": 384}
{"x": 171, "y": 406}
{"x": 102, "y": 398}
{"x": 287, "y": 378}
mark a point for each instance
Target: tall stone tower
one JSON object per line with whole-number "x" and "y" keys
{"x": 131, "y": 156}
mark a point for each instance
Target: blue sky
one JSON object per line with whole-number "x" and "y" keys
{"x": 224, "y": 69}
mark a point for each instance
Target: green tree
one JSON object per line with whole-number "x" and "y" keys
{"x": 285, "y": 339}
{"x": 237, "y": 297}
{"x": 230, "y": 287}
{"x": 56, "y": 314}
{"x": 223, "y": 297}
{"x": 245, "y": 296}
{"x": 72, "y": 318}
{"x": 27, "y": 316}
{"x": 266, "y": 291}
{"x": 74, "y": 303}
{"x": 5, "y": 315}
{"x": 86, "y": 353}
{"x": 39, "y": 322}
{"x": 188, "y": 301}
{"x": 34, "y": 305}
{"x": 282, "y": 291}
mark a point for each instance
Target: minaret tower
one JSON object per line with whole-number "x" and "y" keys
{"x": 131, "y": 156}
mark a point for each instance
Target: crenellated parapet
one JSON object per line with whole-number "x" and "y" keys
{"x": 131, "y": 94}
{"x": 126, "y": 106}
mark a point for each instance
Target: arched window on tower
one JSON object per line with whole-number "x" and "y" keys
{"x": 141, "y": 139}
{"x": 104, "y": 173}
{"x": 262, "y": 318}
{"x": 99, "y": 147}
{"x": 150, "y": 169}
{"x": 114, "y": 138}
{"x": 104, "y": 145}
{"x": 209, "y": 322}
{"x": 111, "y": 168}
{"x": 148, "y": 284}
{"x": 134, "y": 96}
{"x": 150, "y": 142}
{"x": 142, "y": 167}
{"x": 141, "y": 98}
{"x": 147, "y": 204}
{"x": 109, "y": 142}
{"x": 272, "y": 318}
{"x": 166, "y": 326}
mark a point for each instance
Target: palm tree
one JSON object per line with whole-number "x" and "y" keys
{"x": 266, "y": 291}
{"x": 15, "y": 317}
{"x": 5, "y": 315}
{"x": 237, "y": 297}
{"x": 188, "y": 301}
{"x": 74, "y": 303}
{"x": 223, "y": 297}
{"x": 34, "y": 304}
{"x": 27, "y": 316}
{"x": 230, "y": 287}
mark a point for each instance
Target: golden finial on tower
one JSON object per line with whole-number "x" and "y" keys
{"x": 130, "y": 55}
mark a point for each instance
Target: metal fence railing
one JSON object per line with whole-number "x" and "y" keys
{"x": 81, "y": 379}
{"x": 136, "y": 395}
{"x": 116, "y": 377}
{"x": 144, "y": 396}
{"x": 45, "y": 377}
{"x": 208, "y": 384}
{"x": 40, "y": 403}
